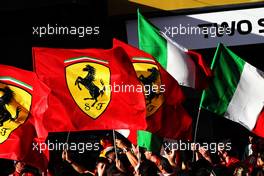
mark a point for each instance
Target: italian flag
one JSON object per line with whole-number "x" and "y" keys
{"x": 149, "y": 141}
{"x": 187, "y": 67}
{"x": 236, "y": 92}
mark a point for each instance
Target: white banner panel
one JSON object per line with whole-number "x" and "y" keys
{"x": 206, "y": 30}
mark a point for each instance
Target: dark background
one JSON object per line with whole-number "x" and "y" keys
{"x": 17, "y": 19}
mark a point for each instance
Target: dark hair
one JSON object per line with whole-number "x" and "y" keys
{"x": 202, "y": 172}
{"x": 102, "y": 160}
{"x": 257, "y": 172}
{"x": 221, "y": 170}
{"x": 201, "y": 163}
{"x": 166, "y": 165}
{"x": 262, "y": 156}
{"x": 243, "y": 169}
{"x": 201, "y": 167}
{"x": 113, "y": 171}
{"x": 148, "y": 168}
{"x": 32, "y": 170}
{"x": 109, "y": 151}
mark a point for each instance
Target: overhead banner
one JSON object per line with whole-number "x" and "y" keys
{"x": 206, "y": 30}
{"x": 189, "y": 4}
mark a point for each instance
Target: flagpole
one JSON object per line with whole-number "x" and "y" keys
{"x": 68, "y": 137}
{"x": 195, "y": 132}
{"x": 114, "y": 138}
{"x": 67, "y": 140}
{"x": 138, "y": 157}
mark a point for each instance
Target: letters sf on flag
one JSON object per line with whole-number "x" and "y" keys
{"x": 82, "y": 96}
{"x": 88, "y": 80}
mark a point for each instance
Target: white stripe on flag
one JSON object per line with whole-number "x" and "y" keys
{"x": 180, "y": 66}
{"x": 248, "y": 99}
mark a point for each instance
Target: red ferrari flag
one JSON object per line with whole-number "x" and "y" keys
{"x": 91, "y": 89}
{"x": 23, "y": 102}
{"x": 165, "y": 114}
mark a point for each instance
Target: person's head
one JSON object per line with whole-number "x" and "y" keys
{"x": 241, "y": 170}
{"x": 101, "y": 161}
{"x": 258, "y": 172}
{"x": 260, "y": 159}
{"x": 164, "y": 166}
{"x": 222, "y": 154}
{"x": 148, "y": 154}
{"x": 255, "y": 145}
{"x": 220, "y": 170}
{"x": 225, "y": 150}
{"x": 148, "y": 168}
{"x": 19, "y": 166}
{"x": 113, "y": 171}
{"x": 202, "y": 172}
{"x": 254, "y": 148}
{"x": 250, "y": 139}
{"x": 200, "y": 167}
{"x": 110, "y": 154}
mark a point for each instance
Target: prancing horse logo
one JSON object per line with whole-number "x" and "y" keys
{"x": 5, "y": 99}
{"x": 87, "y": 83}
{"x": 15, "y": 103}
{"x": 149, "y": 76}
{"x": 149, "y": 82}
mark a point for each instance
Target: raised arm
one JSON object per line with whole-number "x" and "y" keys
{"x": 80, "y": 169}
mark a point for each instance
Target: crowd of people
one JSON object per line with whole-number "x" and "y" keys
{"x": 135, "y": 161}
{"x": 17, "y": 168}
{"x": 121, "y": 158}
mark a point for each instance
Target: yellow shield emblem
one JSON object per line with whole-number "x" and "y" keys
{"x": 15, "y": 104}
{"x": 88, "y": 83}
{"x": 149, "y": 76}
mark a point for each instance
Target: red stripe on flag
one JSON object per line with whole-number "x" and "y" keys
{"x": 259, "y": 128}
{"x": 203, "y": 72}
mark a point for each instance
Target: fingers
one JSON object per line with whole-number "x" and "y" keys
{"x": 119, "y": 143}
{"x": 118, "y": 162}
{"x": 103, "y": 166}
{"x": 63, "y": 155}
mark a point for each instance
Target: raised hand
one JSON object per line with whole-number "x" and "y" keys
{"x": 66, "y": 156}
{"x": 101, "y": 169}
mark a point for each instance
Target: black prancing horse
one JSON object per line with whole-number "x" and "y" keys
{"x": 5, "y": 99}
{"x": 148, "y": 82}
{"x": 88, "y": 83}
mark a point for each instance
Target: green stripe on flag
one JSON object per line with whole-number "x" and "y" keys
{"x": 84, "y": 58}
{"x": 227, "y": 68}
{"x": 143, "y": 59}
{"x": 149, "y": 141}
{"x": 7, "y": 78}
{"x": 151, "y": 41}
